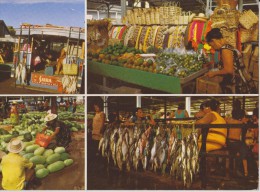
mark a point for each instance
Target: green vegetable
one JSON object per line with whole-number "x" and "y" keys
{"x": 28, "y": 137}
{"x": 56, "y": 166}
{"x": 59, "y": 150}
{"x": 68, "y": 162}
{"x": 38, "y": 159}
{"x": 8, "y": 138}
{"x": 28, "y": 155}
{"x": 39, "y": 151}
{"x": 53, "y": 158}
{"x": 74, "y": 129}
{"x": 28, "y": 143}
{"x": 48, "y": 152}
{"x": 64, "y": 156}
{"x": 39, "y": 166}
{"x": 41, "y": 173}
{"x": 31, "y": 148}
{"x": 22, "y": 153}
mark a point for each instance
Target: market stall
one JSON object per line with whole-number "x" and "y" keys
{"x": 166, "y": 153}
{"x": 50, "y": 58}
{"x": 169, "y": 41}
{"x": 49, "y": 162}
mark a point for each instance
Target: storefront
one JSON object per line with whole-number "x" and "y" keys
{"x": 50, "y": 58}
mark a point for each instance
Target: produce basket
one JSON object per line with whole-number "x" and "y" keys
{"x": 42, "y": 139}
{"x": 205, "y": 84}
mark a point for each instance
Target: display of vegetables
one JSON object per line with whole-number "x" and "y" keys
{"x": 179, "y": 64}
{"x": 33, "y": 122}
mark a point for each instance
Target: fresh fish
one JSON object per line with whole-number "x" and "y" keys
{"x": 100, "y": 143}
{"x": 124, "y": 149}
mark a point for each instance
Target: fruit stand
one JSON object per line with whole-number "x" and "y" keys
{"x": 177, "y": 38}
{"x": 49, "y": 163}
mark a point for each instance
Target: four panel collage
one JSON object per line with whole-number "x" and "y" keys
{"x": 129, "y": 95}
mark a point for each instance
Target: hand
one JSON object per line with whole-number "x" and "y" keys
{"x": 210, "y": 74}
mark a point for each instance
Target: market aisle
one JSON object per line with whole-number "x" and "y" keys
{"x": 8, "y": 87}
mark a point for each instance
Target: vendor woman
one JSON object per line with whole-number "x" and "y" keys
{"x": 61, "y": 133}
{"x": 216, "y": 138}
{"x": 236, "y": 79}
{"x": 14, "y": 115}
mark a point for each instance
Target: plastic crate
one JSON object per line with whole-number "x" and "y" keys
{"x": 205, "y": 84}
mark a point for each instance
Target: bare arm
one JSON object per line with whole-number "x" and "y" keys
{"x": 227, "y": 57}
{"x": 207, "y": 119}
{"x": 57, "y": 130}
{"x": 186, "y": 114}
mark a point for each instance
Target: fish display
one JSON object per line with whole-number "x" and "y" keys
{"x": 154, "y": 148}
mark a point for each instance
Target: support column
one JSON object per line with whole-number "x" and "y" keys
{"x": 138, "y": 101}
{"x": 105, "y": 106}
{"x": 123, "y": 8}
{"x": 240, "y": 5}
{"x": 187, "y": 104}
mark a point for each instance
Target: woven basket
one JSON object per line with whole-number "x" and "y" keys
{"x": 230, "y": 36}
{"x": 245, "y": 35}
{"x": 232, "y": 18}
{"x": 255, "y": 33}
{"x": 70, "y": 69}
{"x": 248, "y": 19}
{"x": 157, "y": 16}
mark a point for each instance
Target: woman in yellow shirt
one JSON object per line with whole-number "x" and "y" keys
{"x": 216, "y": 138}
{"x": 16, "y": 170}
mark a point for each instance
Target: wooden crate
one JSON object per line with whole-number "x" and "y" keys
{"x": 205, "y": 84}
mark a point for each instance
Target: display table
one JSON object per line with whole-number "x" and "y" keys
{"x": 149, "y": 80}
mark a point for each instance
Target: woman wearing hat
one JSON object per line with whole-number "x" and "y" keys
{"x": 60, "y": 131}
{"x": 17, "y": 171}
{"x": 14, "y": 115}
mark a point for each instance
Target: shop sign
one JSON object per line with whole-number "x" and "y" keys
{"x": 38, "y": 78}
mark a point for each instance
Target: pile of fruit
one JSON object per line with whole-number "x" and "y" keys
{"x": 46, "y": 160}
{"x": 33, "y": 122}
{"x": 179, "y": 65}
{"x": 125, "y": 57}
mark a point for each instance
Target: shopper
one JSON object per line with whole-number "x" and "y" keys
{"x": 46, "y": 105}
{"x": 74, "y": 105}
{"x": 61, "y": 133}
{"x": 216, "y": 138}
{"x": 14, "y": 114}
{"x": 154, "y": 113}
{"x": 237, "y": 148}
{"x": 17, "y": 171}
{"x": 98, "y": 125}
{"x": 236, "y": 79}
{"x": 181, "y": 112}
{"x": 201, "y": 113}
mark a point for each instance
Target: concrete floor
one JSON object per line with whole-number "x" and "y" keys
{"x": 7, "y": 86}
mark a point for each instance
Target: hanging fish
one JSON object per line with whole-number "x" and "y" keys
{"x": 23, "y": 74}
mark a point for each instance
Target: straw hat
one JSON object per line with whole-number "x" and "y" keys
{"x": 200, "y": 17}
{"x": 15, "y": 145}
{"x": 50, "y": 117}
{"x": 14, "y": 103}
